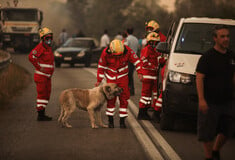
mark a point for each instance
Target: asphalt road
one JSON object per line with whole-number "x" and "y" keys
{"x": 22, "y": 137}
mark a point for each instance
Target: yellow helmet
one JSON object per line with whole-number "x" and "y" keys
{"x": 152, "y": 26}
{"x": 116, "y": 47}
{"x": 44, "y": 31}
{"x": 153, "y": 36}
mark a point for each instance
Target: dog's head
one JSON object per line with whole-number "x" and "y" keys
{"x": 111, "y": 90}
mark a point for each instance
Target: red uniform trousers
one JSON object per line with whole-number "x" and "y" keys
{"x": 124, "y": 96}
{"x": 158, "y": 103}
{"x": 148, "y": 86}
{"x": 43, "y": 85}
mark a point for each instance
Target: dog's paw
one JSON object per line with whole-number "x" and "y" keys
{"x": 104, "y": 126}
{"x": 68, "y": 126}
{"x": 94, "y": 126}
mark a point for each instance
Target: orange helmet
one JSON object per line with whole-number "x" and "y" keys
{"x": 44, "y": 31}
{"x": 153, "y": 36}
{"x": 152, "y": 26}
{"x": 116, "y": 47}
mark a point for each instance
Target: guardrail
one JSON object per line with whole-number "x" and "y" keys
{"x": 5, "y": 61}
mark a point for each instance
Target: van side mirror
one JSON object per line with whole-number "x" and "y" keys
{"x": 163, "y": 47}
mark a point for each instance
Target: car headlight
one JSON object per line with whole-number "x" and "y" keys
{"x": 179, "y": 77}
{"x": 57, "y": 54}
{"x": 81, "y": 54}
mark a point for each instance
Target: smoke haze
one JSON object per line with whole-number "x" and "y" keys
{"x": 55, "y": 14}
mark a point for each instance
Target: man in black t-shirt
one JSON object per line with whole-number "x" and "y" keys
{"x": 215, "y": 81}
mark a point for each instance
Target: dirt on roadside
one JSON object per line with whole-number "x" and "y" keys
{"x": 13, "y": 79}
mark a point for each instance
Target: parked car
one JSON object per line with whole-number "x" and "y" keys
{"x": 185, "y": 45}
{"x": 81, "y": 50}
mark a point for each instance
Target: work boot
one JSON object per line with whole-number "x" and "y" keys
{"x": 143, "y": 114}
{"x": 156, "y": 116}
{"x": 216, "y": 155}
{"x": 111, "y": 124}
{"x": 42, "y": 116}
{"x": 122, "y": 122}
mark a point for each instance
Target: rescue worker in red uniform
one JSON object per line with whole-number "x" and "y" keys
{"x": 153, "y": 26}
{"x": 149, "y": 57}
{"x": 42, "y": 59}
{"x": 113, "y": 65}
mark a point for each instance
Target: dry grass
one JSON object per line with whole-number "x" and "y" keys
{"x": 12, "y": 80}
{"x": 3, "y": 54}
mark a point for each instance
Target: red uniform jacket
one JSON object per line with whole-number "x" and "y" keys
{"x": 162, "y": 37}
{"x": 42, "y": 56}
{"x": 116, "y": 67}
{"x": 149, "y": 57}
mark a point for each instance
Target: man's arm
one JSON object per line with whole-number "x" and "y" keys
{"x": 200, "y": 91}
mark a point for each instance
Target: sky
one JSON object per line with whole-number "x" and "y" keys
{"x": 53, "y": 15}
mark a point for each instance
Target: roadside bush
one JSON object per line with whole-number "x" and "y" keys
{"x": 13, "y": 79}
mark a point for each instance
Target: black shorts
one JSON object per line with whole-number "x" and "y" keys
{"x": 218, "y": 119}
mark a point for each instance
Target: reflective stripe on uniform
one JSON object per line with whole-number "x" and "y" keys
{"x": 46, "y": 65}
{"x": 110, "y": 113}
{"x": 120, "y": 76}
{"x": 145, "y": 102}
{"x": 146, "y": 98}
{"x": 110, "y": 109}
{"x": 149, "y": 77}
{"x": 123, "y": 68}
{"x": 101, "y": 75}
{"x": 152, "y": 69}
{"x": 100, "y": 66}
{"x": 109, "y": 77}
{"x": 41, "y": 105}
{"x": 158, "y": 104}
{"x": 154, "y": 95}
{"x": 123, "y": 115}
{"x": 41, "y": 73}
{"x": 159, "y": 99}
{"x": 42, "y": 101}
{"x": 138, "y": 68}
{"x": 145, "y": 60}
{"x": 114, "y": 78}
{"x": 123, "y": 109}
{"x": 138, "y": 61}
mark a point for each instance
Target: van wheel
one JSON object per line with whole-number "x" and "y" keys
{"x": 167, "y": 121}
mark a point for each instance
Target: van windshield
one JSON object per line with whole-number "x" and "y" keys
{"x": 196, "y": 38}
{"x": 20, "y": 15}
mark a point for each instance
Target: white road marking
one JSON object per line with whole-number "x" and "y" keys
{"x": 157, "y": 143}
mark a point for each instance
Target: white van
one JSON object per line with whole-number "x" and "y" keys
{"x": 184, "y": 47}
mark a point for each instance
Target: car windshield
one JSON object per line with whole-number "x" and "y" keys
{"x": 196, "y": 38}
{"x": 20, "y": 15}
{"x": 81, "y": 43}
